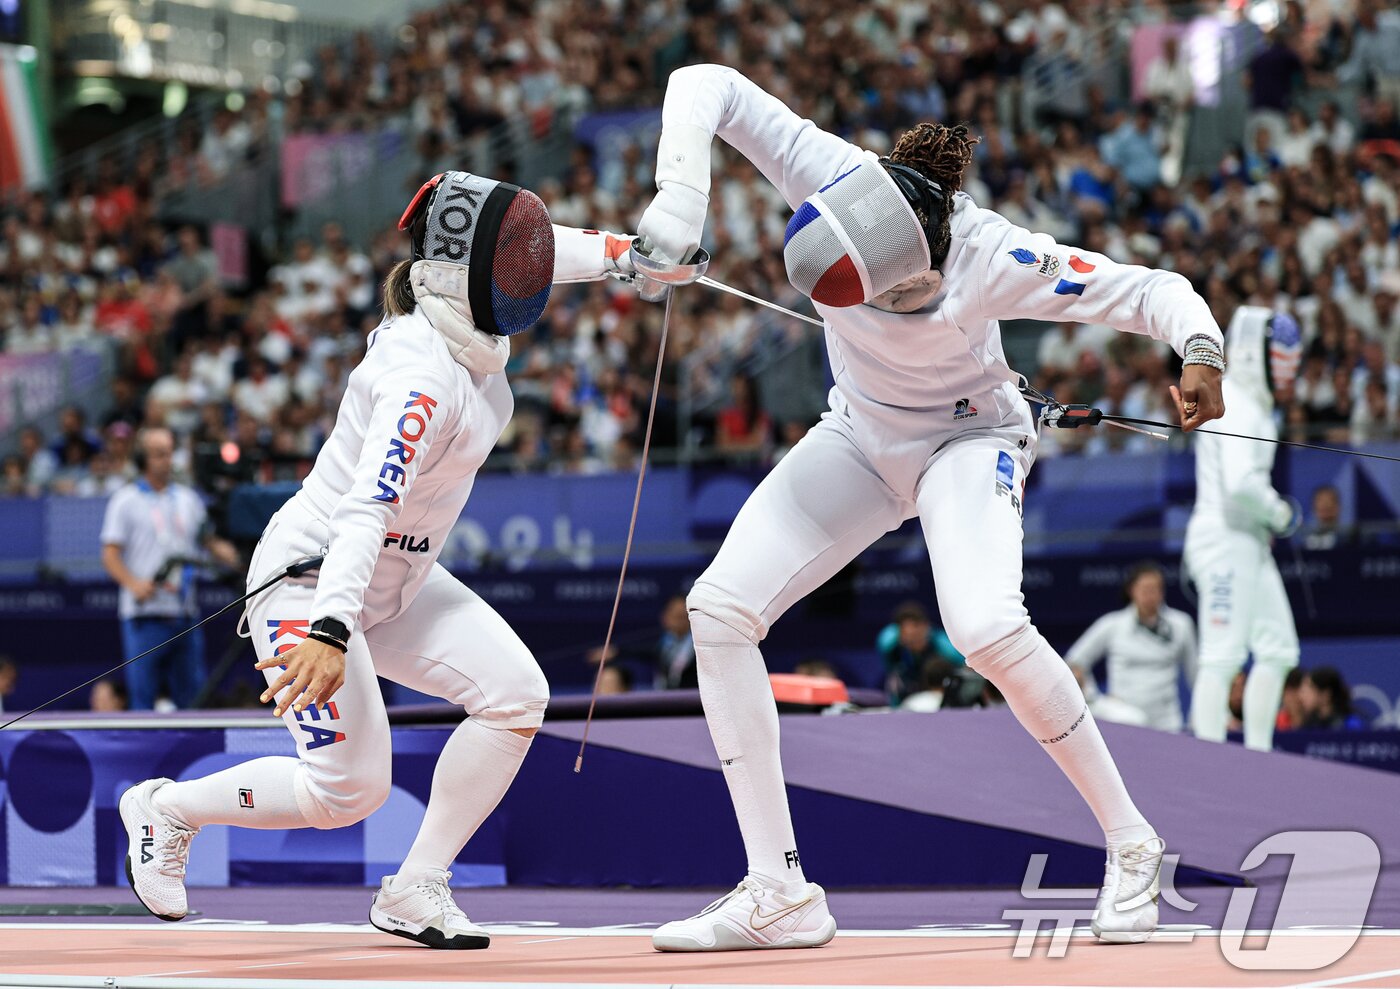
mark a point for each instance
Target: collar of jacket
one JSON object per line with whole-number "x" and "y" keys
{"x": 441, "y": 290}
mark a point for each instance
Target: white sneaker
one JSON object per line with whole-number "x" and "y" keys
{"x": 157, "y": 850}
{"x": 753, "y": 915}
{"x": 425, "y": 912}
{"x": 1126, "y": 912}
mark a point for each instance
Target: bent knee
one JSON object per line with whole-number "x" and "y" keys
{"x": 717, "y": 615}
{"x": 989, "y": 642}
{"x": 516, "y": 702}
{"x": 346, "y": 800}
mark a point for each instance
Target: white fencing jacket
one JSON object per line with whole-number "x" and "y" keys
{"x": 413, "y": 429}
{"x": 1144, "y": 664}
{"x": 1234, "y": 485}
{"x": 911, "y": 372}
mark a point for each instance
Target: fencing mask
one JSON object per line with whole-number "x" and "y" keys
{"x": 863, "y": 233}
{"x": 482, "y": 249}
{"x": 1265, "y": 349}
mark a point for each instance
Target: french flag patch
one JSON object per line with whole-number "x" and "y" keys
{"x": 1080, "y": 266}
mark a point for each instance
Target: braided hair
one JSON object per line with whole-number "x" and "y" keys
{"x": 942, "y": 154}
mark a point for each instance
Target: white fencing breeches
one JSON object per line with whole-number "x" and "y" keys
{"x": 448, "y": 642}
{"x": 1243, "y": 609}
{"x": 821, "y": 506}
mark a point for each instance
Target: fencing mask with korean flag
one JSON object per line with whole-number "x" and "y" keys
{"x": 863, "y": 233}
{"x": 483, "y": 253}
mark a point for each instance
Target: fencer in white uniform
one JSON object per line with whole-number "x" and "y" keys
{"x": 925, "y": 420}
{"x": 1148, "y": 646}
{"x": 1242, "y": 606}
{"x": 419, "y": 416}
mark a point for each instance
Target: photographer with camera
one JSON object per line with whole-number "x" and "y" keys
{"x": 154, "y": 535}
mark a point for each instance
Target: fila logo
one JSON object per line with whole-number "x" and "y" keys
{"x": 412, "y": 425}
{"x": 406, "y": 542}
{"x": 245, "y": 799}
{"x": 147, "y": 842}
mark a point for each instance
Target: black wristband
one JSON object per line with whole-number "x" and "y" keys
{"x": 331, "y": 632}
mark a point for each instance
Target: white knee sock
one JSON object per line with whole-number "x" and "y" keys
{"x": 1210, "y": 701}
{"x": 743, "y": 720}
{"x": 257, "y": 794}
{"x": 1042, "y": 693}
{"x": 475, "y": 769}
{"x": 1263, "y": 691}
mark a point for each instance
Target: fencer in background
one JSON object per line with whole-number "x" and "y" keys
{"x": 1149, "y": 646}
{"x": 1242, "y": 606}
{"x": 926, "y": 420}
{"x": 419, "y": 416}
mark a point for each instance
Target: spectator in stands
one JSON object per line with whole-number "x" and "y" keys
{"x": 614, "y": 679}
{"x": 1326, "y": 531}
{"x": 9, "y": 679}
{"x": 1332, "y": 130}
{"x": 1290, "y": 712}
{"x": 194, "y": 272}
{"x": 1375, "y": 51}
{"x": 675, "y": 651}
{"x": 73, "y": 431}
{"x": 40, "y": 464}
{"x": 1235, "y": 704}
{"x": 1325, "y": 699}
{"x": 99, "y": 257}
{"x": 906, "y": 645}
{"x": 816, "y": 668}
{"x": 29, "y": 334}
{"x": 182, "y": 395}
{"x": 13, "y": 483}
{"x": 933, "y": 677}
{"x": 1273, "y": 73}
{"x": 743, "y": 426}
{"x": 153, "y": 536}
{"x": 1168, "y": 82}
{"x": 1134, "y": 149}
{"x": 1148, "y": 646}
{"x": 106, "y": 697}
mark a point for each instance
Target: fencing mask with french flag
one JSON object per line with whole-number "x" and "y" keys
{"x": 854, "y": 238}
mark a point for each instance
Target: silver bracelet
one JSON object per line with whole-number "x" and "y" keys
{"x": 1201, "y": 348}
{"x": 1204, "y": 357}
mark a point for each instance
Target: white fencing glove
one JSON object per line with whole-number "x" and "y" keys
{"x": 671, "y": 226}
{"x": 1287, "y": 518}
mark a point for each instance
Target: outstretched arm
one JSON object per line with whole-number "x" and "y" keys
{"x": 1026, "y": 275}
{"x": 588, "y": 255}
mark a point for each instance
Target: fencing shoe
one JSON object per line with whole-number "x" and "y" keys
{"x": 753, "y": 915}
{"x": 424, "y": 911}
{"x": 158, "y": 847}
{"x": 1126, "y": 912}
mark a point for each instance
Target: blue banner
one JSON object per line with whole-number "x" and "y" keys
{"x": 1073, "y": 505}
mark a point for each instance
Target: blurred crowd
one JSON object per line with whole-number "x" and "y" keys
{"x": 1301, "y": 214}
